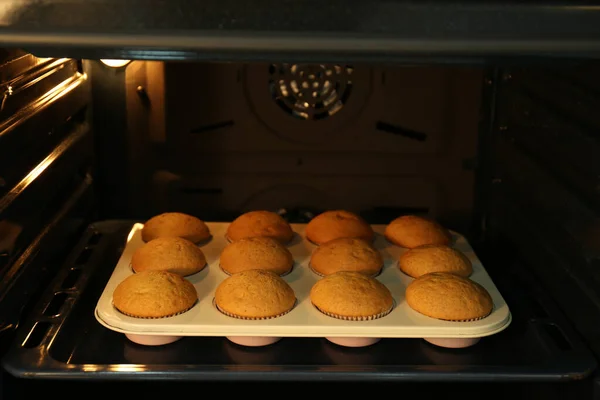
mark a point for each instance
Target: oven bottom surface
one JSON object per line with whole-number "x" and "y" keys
{"x": 61, "y": 339}
{"x": 580, "y": 390}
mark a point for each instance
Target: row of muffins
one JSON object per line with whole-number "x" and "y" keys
{"x": 407, "y": 231}
{"x": 344, "y": 240}
{"x": 345, "y": 257}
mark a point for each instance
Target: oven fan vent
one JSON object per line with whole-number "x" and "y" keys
{"x": 310, "y": 91}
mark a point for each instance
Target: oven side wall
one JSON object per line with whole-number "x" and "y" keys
{"x": 545, "y": 185}
{"x": 46, "y": 188}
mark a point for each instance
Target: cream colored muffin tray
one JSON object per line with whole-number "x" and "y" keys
{"x": 304, "y": 320}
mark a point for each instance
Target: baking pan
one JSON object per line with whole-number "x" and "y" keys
{"x": 204, "y": 319}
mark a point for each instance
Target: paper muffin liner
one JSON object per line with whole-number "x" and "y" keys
{"x": 284, "y": 243}
{"x": 348, "y": 318}
{"x": 166, "y": 316}
{"x": 264, "y": 269}
{"x": 227, "y": 313}
{"x": 185, "y": 276}
{"x": 199, "y": 243}
{"x": 225, "y": 272}
{"x": 323, "y": 276}
{"x": 311, "y": 242}
{"x": 204, "y": 241}
{"x": 416, "y": 277}
{"x": 467, "y": 320}
{"x": 317, "y": 244}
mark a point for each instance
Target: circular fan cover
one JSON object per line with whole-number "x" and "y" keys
{"x": 310, "y": 91}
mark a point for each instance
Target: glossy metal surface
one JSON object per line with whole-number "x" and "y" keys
{"x": 45, "y": 189}
{"x": 328, "y": 30}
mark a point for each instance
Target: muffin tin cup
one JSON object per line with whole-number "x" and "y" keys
{"x": 452, "y": 343}
{"x": 456, "y": 343}
{"x": 252, "y": 341}
{"x": 354, "y": 341}
{"x": 153, "y": 340}
{"x": 304, "y": 320}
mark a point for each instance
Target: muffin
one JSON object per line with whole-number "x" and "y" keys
{"x": 337, "y": 224}
{"x": 434, "y": 258}
{"x": 174, "y": 224}
{"x": 346, "y": 254}
{"x": 261, "y": 224}
{"x": 256, "y": 253}
{"x": 173, "y": 254}
{"x": 254, "y": 294}
{"x": 351, "y": 296}
{"x": 411, "y": 231}
{"x": 154, "y": 294}
{"x": 450, "y": 297}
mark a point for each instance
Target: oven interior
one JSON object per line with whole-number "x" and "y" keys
{"x": 506, "y": 155}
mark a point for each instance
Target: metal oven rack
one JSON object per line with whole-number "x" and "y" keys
{"x": 61, "y": 339}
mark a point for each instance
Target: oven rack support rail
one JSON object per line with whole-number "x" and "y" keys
{"x": 60, "y": 339}
{"x": 286, "y": 30}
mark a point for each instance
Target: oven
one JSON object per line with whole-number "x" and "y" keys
{"x": 480, "y": 115}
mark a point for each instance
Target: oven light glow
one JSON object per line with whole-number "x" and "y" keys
{"x": 89, "y": 367}
{"x": 127, "y": 368}
{"x": 115, "y": 367}
{"x": 115, "y": 63}
{"x": 137, "y": 227}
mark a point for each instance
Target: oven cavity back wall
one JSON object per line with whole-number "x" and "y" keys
{"x": 218, "y": 139}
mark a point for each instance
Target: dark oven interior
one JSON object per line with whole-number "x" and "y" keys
{"x": 505, "y": 154}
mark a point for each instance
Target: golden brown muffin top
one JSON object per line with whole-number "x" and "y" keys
{"x": 260, "y": 223}
{"x": 336, "y": 224}
{"x": 412, "y": 231}
{"x": 173, "y": 254}
{"x": 254, "y": 294}
{"x": 434, "y": 258}
{"x": 154, "y": 294}
{"x": 175, "y": 224}
{"x": 448, "y": 296}
{"x": 256, "y": 253}
{"x": 346, "y": 254}
{"x": 351, "y": 294}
